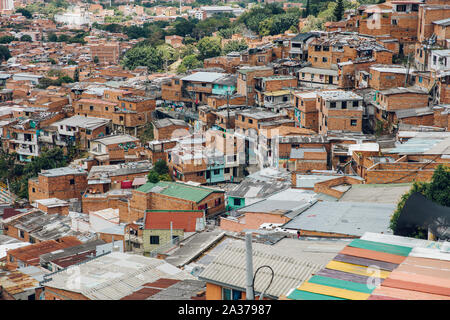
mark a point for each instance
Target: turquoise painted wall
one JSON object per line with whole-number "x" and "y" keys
{"x": 222, "y": 90}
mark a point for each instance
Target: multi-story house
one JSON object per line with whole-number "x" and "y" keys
{"x": 246, "y": 81}
{"x": 299, "y": 45}
{"x": 339, "y": 111}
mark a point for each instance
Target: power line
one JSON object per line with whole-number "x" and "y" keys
{"x": 270, "y": 283}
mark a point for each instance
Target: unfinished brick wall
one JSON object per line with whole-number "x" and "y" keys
{"x": 61, "y": 187}
{"x": 400, "y": 172}
{"x": 59, "y": 294}
{"x": 326, "y": 186}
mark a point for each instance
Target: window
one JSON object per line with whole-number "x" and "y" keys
{"x": 332, "y": 104}
{"x": 216, "y": 171}
{"x": 203, "y": 84}
{"x": 106, "y": 108}
{"x": 154, "y": 239}
{"x": 217, "y": 202}
{"x": 250, "y": 121}
{"x": 230, "y": 294}
{"x": 355, "y": 104}
{"x": 32, "y": 240}
{"x": 227, "y": 170}
{"x": 315, "y": 59}
{"x": 303, "y": 74}
{"x": 72, "y": 181}
{"x": 200, "y": 174}
{"x": 243, "y": 118}
{"x": 394, "y": 22}
{"x": 177, "y": 81}
{"x": 353, "y": 122}
{"x": 91, "y": 108}
{"x": 415, "y": 7}
{"x": 401, "y": 8}
{"x": 21, "y": 234}
{"x": 344, "y": 104}
{"x": 324, "y": 59}
{"x": 326, "y": 48}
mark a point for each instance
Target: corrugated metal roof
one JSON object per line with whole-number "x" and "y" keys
{"x": 114, "y": 276}
{"x": 349, "y": 218}
{"x": 203, "y": 76}
{"x": 229, "y": 268}
{"x": 178, "y": 190}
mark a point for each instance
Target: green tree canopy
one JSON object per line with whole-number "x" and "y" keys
{"x": 209, "y": 47}
{"x": 153, "y": 176}
{"x": 51, "y": 37}
{"x": 234, "y": 45}
{"x": 437, "y": 190}
{"x": 4, "y": 53}
{"x": 7, "y": 39}
{"x": 189, "y": 62}
{"x": 27, "y": 14}
{"x": 26, "y": 38}
{"x": 161, "y": 167}
{"x": 143, "y": 56}
{"x": 339, "y": 10}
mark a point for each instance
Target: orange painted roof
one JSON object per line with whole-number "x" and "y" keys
{"x": 407, "y": 294}
{"x": 374, "y": 255}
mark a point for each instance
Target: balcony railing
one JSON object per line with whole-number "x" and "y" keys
{"x": 166, "y": 246}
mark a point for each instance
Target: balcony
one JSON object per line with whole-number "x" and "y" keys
{"x": 199, "y": 89}
{"x": 26, "y": 152}
{"x": 133, "y": 238}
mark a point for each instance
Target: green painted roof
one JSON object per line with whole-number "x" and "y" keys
{"x": 178, "y": 190}
{"x": 341, "y": 284}
{"x": 305, "y": 295}
{"x": 381, "y": 247}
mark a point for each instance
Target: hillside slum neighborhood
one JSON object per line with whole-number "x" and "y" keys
{"x": 306, "y": 141}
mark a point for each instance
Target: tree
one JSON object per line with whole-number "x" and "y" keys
{"x": 305, "y": 12}
{"x": 168, "y": 54}
{"x": 234, "y": 45}
{"x": 153, "y": 177}
{"x": 76, "y": 75}
{"x": 339, "y": 10}
{"x": 143, "y": 56}
{"x": 27, "y": 14}
{"x": 26, "y": 38}
{"x": 188, "y": 63}
{"x": 184, "y": 27}
{"x": 7, "y": 39}
{"x": 4, "y": 53}
{"x": 161, "y": 167}
{"x": 51, "y": 37}
{"x": 437, "y": 190}
{"x": 63, "y": 38}
{"x": 209, "y": 47}
{"x": 188, "y": 50}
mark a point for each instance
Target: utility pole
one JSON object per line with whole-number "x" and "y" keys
{"x": 407, "y": 70}
{"x": 249, "y": 268}
{"x": 9, "y": 192}
{"x": 228, "y": 110}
